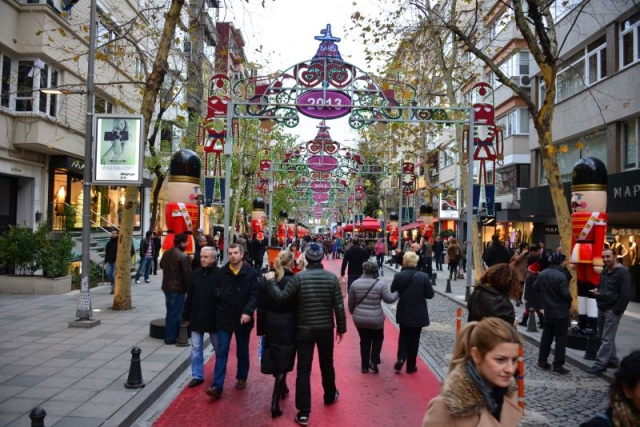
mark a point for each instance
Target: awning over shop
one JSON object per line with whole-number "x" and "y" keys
{"x": 416, "y": 224}
{"x": 368, "y": 224}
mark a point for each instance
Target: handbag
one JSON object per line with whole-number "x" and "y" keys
{"x": 266, "y": 363}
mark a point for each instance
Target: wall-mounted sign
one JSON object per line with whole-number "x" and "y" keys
{"x": 118, "y": 149}
{"x": 551, "y": 229}
{"x": 324, "y": 104}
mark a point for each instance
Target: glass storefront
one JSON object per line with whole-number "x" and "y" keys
{"x": 66, "y": 190}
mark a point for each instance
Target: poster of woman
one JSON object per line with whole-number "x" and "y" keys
{"x": 118, "y": 150}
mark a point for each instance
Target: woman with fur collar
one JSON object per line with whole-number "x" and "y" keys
{"x": 480, "y": 390}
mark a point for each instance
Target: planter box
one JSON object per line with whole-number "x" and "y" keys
{"x": 35, "y": 285}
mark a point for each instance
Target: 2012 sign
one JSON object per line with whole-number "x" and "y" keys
{"x": 329, "y": 104}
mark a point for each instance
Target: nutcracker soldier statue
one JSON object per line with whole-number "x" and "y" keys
{"x": 184, "y": 198}
{"x": 282, "y": 228}
{"x": 393, "y": 233}
{"x": 588, "y": 233}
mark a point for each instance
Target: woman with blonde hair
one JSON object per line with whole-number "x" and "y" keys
{"x": 480, "y": 389}
{"x": 277, "y": 323}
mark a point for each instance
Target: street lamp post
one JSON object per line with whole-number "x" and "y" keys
{"x": 83, "y": 311}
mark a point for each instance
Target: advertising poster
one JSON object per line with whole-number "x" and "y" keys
{"x": 449, "y": 204}
{"x": 118, "y": 153}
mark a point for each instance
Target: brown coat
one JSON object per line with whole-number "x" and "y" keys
{"x": 461, "y": 404}
{"x": 176, "y": 271}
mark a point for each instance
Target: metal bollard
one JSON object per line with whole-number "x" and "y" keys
{"x": 183, "y": 336}
{"x": 37, "y": 415}
{"x": 448, "y": 290}
{"x": 593, "y": 345}
{"x": 458, "y": 320}
{"x": 434, "y": 276}
{"x": 135, "y": 370}
{"x": 531, "y": 324}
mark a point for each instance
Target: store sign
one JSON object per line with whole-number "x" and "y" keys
{"x": 623, "y": 194}
{"x": 551, "y": 229}
{"x": 325, "y": 104}
{"x": 118, "y": 149}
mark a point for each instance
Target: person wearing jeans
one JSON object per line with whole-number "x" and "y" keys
{"x": 175, "y": 283}
{"x": 146, "y": 257}
{"x": 110, "y": 255}
{"x": 236, "y": 298}
{"x": 200, "y": 311}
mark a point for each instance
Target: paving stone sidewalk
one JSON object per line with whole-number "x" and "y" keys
{"x": 550, "y": 400}
{"x": 78, "y": 375}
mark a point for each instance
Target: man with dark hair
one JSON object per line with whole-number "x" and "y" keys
{"x": 496, "y": 253}
{"x": 353, "y": 259}
{"x": 319, "y": 299}
{"x": 146, "y": 257}
{"x": 157, "y": 244}
{"x": 438, "y": 249}
{"x": 176, "y": 278}
{"x": 612, "y": 297}
{"x": 237, "y": 296}
{"x": 553, "y": 290}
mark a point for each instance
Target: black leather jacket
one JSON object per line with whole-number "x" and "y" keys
{"x": 615, "y": 289}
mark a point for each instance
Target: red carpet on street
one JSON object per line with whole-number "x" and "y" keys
{"x": 385, "y": 399}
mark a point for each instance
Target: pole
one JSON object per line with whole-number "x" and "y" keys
{"x": 83, "y": 311}
{"x": 227, "y": 180}
{"x": 400, "y": 235}
{"x": 470, "y": 204}
{"x": 270, "y": 211}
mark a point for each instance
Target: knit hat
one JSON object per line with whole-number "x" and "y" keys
{"x": 534, "y": 268}
{"x": 314, "y": 252}
{"x": 557, "y": 258}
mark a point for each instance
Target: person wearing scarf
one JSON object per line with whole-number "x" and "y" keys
{"x": 480, "y": 389}
{"x": 624, "y": 393}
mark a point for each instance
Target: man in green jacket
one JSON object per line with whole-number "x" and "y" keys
{"x": 318, "y": 298}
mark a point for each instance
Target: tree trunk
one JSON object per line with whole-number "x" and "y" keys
{"x": 122, "y": 296}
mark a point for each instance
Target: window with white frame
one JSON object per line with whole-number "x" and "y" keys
{"x": 515, "y": 122}
{"x": 102, "y": 106}
{"x": 106, "y": 37}
{"x": 515, "y": 65}
{"x": 596, "y": 62}
{"x": 48, "y": 103}
{"x": 630, "y": 41}
{"x": 24, "y": 86}
{"x": 631, "y": 154}
{"x": 447, "y": 156}
{"x": 583, "y": 69}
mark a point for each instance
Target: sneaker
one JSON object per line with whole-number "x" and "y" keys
{"x": 334, "y": 400}
{"x": 241, "y": 384}
{"x": 147, "y": 281}
{"x": 545, "y": 366}
{"x": 303, "y": 420}
{"x": 596, "y": 370}
{"x": 137, "y": 281}
{"x": 560, "y": 371}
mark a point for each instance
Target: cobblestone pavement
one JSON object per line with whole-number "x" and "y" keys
{"x": 550, "y": 400}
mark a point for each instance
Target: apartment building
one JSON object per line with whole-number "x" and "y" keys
{"x": 597, "y": 114}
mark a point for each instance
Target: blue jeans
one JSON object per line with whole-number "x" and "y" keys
{"x": 174, "y": 303}
{"x": 145, "y": 265}
{"x": 197, "y": 359}
{"x": 110, "y": 269}
{"x": 222, "y": 354}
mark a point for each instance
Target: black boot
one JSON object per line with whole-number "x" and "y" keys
{"x": 275, "y": 398}
{"x": 285, "y": 390}
{"x": 525, "y": 319}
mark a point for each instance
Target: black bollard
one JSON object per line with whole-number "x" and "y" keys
{"x": 593, "y": 345}
{"x": 531, "y": 324}
{"x": 434, "y": 276}
{"x": 135, "y": 370}
{"x": 448, "y": 290}
{"x": 37, "y": 415}
{"x": 183, "y": 336}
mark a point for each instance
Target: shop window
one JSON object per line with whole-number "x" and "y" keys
{"x": 630, "y": 152}
{"x": 630, "y": 41}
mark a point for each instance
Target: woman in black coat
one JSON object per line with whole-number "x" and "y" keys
{"x": 414, "y": 287}
{"x": 277, "y": 322}
{"x": 493, "y": 294}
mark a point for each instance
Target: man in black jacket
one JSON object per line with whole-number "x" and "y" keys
{"x": 612, "y": 297}
{"x": 237, "y": 295}
{"x": 354, "y": 258}
{"x": 553, "y": 290}
{"x": 176, "y": 277}
{"x": 496, "y": 253}
{"x": 318, "y": 298}
{"x": 200, "y": 311}
{"x": 438, "y": 249}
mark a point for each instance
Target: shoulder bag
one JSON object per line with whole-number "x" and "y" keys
{"x": 365, "y": 295}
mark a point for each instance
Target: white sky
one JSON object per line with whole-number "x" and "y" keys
{"x": 286, "y": 29}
